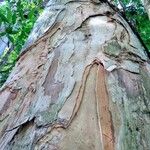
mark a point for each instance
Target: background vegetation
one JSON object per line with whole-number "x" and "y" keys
{"x": 137, "y": 16}
{"x": 17, "y": 18}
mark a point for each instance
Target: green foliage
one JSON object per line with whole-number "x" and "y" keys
{"x": 137, "y": 15}
{"x": 17, "y": 17}
{"x": 142, "y": 23}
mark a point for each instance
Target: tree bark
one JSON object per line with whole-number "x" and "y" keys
{"x": 81, "y": 83}
{"x": 147, "y": 6}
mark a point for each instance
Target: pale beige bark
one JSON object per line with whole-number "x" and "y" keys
{"x": 147, "y": 6}
{"x": 81, "y": 83}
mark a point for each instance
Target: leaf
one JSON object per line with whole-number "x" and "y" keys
{"x": 14, "y": 18}
{"x": 10, "y": 38}
{"x": 4, "y": 18}
{"x": 9, "y": 29}
{"x": 9, "y": 14}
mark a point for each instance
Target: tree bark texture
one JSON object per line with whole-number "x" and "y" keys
{"x": 81, "y": 83}
{"x": 147, "y": 6}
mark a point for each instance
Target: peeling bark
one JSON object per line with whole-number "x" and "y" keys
{"x": 81, "y": 83}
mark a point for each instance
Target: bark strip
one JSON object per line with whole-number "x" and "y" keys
{"x": 105, "y": 120}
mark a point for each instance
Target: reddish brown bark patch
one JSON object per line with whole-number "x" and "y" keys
{"x": 130, "y": 81}
{"x": 52, "y": 87}
{"x": 6, "y": 97}
{"x": 106, "y": 123}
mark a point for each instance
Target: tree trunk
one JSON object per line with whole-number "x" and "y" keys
{"x": 147, "y": 6}
{"x": 81, "y": 83}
